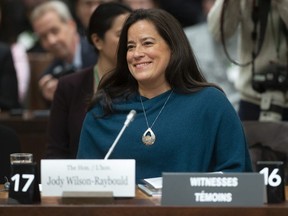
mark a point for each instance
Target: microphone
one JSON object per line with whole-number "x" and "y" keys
{"x": 129, "y": 119}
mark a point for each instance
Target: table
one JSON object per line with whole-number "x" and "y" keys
{"x": 140, "y": 205}
{"x": 31, "y": 127}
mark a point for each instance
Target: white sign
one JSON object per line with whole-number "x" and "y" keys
{"x": 116, "y": 176}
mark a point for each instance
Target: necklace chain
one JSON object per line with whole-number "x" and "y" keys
{"x": 158, "y": 113}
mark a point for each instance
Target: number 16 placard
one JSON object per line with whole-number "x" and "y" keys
{"x": 273, "y": 172}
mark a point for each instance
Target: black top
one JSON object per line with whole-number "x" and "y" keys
{"x": 8, "y": 80}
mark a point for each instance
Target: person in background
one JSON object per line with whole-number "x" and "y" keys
{"x": 144, "y": 4}
{"x": 206, "y": 7}
{"x": 82, "y": 10}
{"x": 21, "y": 38}
{"x": 22, "y": 67}
{"x": 27, "y": 37}
{"x": 187, "y": 12}
{"x": 8, "y": 78}
{"x": 76, "y": 90}
{"x": 54, "y": 25}
{"x": 261, "y": 98}
{"x": 211, "y": 57}
{"x": 183, "y": 123}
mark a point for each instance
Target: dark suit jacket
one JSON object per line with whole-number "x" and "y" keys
{"x": 67, "y": 114}
{"x": 8, "y": 80}
{"x": 88, "y": 56}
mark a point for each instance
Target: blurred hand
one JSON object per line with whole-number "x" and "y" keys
{"x": 48, "y": 85}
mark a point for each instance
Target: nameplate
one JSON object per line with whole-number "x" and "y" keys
{"x": 61, "y": 176}
{"x": 210, "y": 189}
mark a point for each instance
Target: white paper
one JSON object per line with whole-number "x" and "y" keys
{"x": 154, "y": 182}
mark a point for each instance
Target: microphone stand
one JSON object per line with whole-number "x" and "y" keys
{"x": 129, "y": 119}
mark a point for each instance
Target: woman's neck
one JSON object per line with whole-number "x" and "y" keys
{"x": 103, "y": 67}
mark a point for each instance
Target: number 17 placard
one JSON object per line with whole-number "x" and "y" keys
{"x": 24, "y": 182}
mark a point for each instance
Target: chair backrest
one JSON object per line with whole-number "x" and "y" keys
{"x": 267, "y": 141}
{"x": 9, "y": 143}
{"x": 38, "y": 63}
{"x": 271, "y": 134}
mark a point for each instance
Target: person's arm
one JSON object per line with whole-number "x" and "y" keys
{"x": 58, "y": 135}
{"x": 231, "y": 19}
{"x": 232, "y": 148}
{"x": 48, "y": 82}
{"x": 230, "y": 151}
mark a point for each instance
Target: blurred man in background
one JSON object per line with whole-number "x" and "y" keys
{"x": 57, "y": 30}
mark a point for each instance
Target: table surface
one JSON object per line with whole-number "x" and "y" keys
{"x": 140, "y": 205}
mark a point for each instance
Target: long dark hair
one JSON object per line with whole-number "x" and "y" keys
{"x": 182, "y": 72}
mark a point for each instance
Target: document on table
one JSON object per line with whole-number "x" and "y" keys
{"x": 151, "y": 186}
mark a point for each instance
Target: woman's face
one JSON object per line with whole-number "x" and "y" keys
{"x": 108, "y": 46}
{"x": 148, "y": 55}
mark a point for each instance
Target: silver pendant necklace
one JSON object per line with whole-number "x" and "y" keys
{"x": 148, "y": 137}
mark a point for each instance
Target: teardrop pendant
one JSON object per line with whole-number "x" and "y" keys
{"x": 148, "y": 137}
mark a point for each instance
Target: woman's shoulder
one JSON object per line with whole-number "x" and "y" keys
{"x": 213, "y": 92}
{"x": 78, "y": 76}
{"x": 214, "y": 96}
{"x": 80, "y": 81}
{"x": 207, "y": 93}
{"x": 206, "y": 97}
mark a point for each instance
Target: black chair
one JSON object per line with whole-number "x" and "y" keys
{"x": 9, "y": 144}
{"x": 267, "y": 141}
